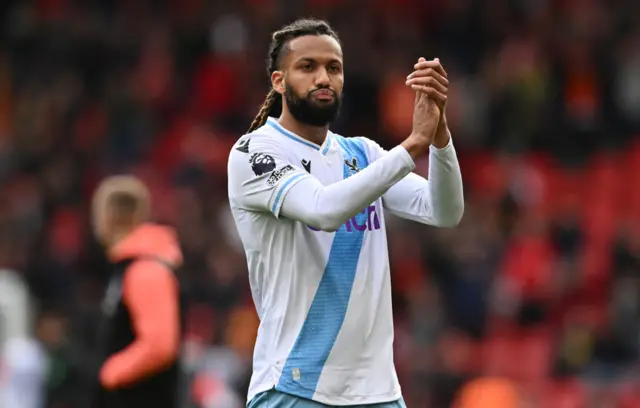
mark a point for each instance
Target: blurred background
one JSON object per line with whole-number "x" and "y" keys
{"x": 535, "y": 297}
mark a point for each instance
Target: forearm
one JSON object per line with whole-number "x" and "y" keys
{"x": 328, "y": 207}
{"x": 142, "y": 358}
{"x": 445, "y": 191}
{"x": 443, "y": 135}
{"x": 438, "y": 201}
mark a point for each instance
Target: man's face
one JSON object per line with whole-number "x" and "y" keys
{"x": 101, "y": 219}
{"x": 312, "y": 80}
{"x": 308, "y": 110}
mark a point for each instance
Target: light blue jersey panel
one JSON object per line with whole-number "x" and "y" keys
{"x": 304, "y": 365}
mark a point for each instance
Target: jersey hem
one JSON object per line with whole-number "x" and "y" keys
{"x": 290, "y": 388}
{"x": 254, "y": 393}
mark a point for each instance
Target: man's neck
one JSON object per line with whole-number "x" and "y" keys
{"x": 117, "y": 238}
{"x": 315, "y": 134}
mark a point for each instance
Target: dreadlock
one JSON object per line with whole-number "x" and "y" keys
{"x": 278, "y": 49}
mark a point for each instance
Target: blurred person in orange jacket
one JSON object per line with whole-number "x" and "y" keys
{"x": 142, "y": 318}
{"x": 489, "y": 392}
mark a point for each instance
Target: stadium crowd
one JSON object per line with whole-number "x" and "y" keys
{"x": 536, "y": 292}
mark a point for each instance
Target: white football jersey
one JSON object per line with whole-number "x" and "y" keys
{"x": 323, "y": 298}
{"x": 23, "y": 370}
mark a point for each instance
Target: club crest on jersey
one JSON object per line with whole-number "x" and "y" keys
{"x": 262, "y": 163}
{"x": 352, "y": 165}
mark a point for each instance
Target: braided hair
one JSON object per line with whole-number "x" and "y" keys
{"x": 277, "y": 50}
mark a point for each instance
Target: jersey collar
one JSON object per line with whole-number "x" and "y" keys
{"x": 323, "y": 149}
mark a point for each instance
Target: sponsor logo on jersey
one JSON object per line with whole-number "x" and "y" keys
{"x": 277, "y": 175}
{"x": 367, "y": 220}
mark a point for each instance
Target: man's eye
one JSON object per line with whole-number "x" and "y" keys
{"x": 306, "y": 67}
{"x": 334, "y": 69}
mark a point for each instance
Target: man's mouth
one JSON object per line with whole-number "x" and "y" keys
{"x": 324, "y": 94}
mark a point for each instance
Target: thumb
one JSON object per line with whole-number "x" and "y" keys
{"x": 421, "y": 59}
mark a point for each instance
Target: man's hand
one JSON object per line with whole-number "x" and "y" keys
{"x": 426, "y": 117}
{"x": 430, "y": 78}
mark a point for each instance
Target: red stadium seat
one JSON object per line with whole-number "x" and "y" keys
{"x": 528, "y": 262}
{"x": 534, "y": 357}
{"x": 563, "y": 394}
{"x": 498, "y": 352}
{"x": 629, "y": 396}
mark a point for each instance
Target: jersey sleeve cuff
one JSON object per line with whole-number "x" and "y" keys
{"x": 442, "y": 151}
{"x": 282, "y": 190}
{"x": 404, "y": 155}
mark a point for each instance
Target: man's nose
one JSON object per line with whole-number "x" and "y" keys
{"x": 322, "y": 78}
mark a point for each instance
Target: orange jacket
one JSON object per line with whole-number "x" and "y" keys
{"x": 488, "y": 392}
{"x": 151, "y": 293}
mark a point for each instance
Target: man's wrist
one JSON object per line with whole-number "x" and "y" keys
{"x": 415, "y": 146}
{"x": 442, "y": 136}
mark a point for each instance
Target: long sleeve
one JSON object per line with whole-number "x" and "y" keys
{"x": 438, "y": 201}
{"x": 328, "y": 207}
{"x": 277, "y": 185}
{"x": 151, "y": 293}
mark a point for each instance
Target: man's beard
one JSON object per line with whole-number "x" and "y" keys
{"x": 309, "y": 112}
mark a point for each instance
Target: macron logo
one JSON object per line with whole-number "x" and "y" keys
{"x": 367, "y": 220}
{"x": 307, "y": 165}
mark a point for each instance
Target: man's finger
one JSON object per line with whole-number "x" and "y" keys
{"x": 431, "y": 93}
{"x": 429, "y": 81}
{"x": 434, "y": 64}
{"x": 418, "y": 97}
{"x": 429, "y": 72}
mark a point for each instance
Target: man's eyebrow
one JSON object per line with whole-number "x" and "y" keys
{"x": 305, "y": 59}
{"x": 311, "y": 59}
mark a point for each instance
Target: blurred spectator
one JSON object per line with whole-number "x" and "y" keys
{"x": 23, "y": 362}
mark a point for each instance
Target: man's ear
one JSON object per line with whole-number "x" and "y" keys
{"x": 277, "y": 82}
